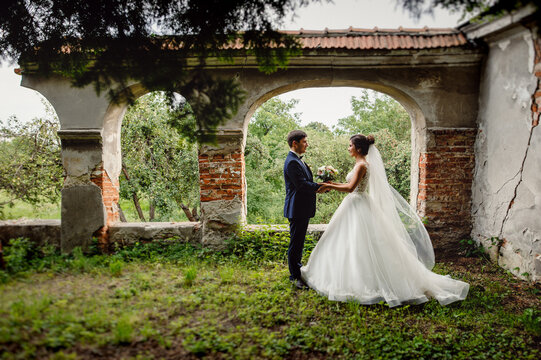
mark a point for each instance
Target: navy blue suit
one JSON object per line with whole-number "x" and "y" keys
{"x": 299, "y": 207}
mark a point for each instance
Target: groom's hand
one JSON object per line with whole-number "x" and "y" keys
{"x": 323, "y": 188}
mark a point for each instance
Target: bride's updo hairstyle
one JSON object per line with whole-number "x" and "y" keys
{"x": 362, "y": 142}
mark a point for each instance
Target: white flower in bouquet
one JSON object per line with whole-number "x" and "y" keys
{"x": 326, "y": 173}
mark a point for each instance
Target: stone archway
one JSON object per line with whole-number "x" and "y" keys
{"x": 434, "y": 74}
{"x": 443, "y": 136}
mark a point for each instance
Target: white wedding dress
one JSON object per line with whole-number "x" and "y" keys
{"x": 376, "y": 249}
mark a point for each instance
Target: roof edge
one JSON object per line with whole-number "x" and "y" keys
{"x": 479, "y": 30}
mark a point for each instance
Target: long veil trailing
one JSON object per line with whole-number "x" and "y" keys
{"x": 401, "y": 216}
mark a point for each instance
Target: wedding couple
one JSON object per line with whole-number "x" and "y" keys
{"x": 375, "y": 247}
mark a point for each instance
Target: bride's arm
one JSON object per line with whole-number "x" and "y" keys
{"x": 358, "y": 174}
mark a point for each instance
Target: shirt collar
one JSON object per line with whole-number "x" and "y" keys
{"x": 298, "y": 155}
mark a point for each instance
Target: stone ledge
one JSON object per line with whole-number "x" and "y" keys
{"x": 40, "y": 231}
{"x": 48, "y": 231}
{"x": 132, "y": 232}
{"x": 80, "y": 134}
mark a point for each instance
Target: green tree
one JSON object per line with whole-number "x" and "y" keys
{"x": 158, "y": 164}
{"x": 374, "y": 111}
{"x": 30, "y": 164}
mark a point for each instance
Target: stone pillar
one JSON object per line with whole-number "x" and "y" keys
{"x": 89, "y": 196}
{"x": 222, "y": 187}
{"x": 445, "y": 181}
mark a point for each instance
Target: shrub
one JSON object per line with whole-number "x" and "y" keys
{"x": 531, "y": 321}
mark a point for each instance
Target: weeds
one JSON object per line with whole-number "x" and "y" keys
{"x": 189, "y": 276}
{"x": 172, "y": 299}
{"x": 531, "y": 320}
{"x": 471, "y": 249}
{"x": 115, "y": 267}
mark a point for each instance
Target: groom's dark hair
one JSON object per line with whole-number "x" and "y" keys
{"x": 295, "y": 135}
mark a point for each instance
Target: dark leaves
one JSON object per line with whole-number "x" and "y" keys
{"x": 113, "y": 43}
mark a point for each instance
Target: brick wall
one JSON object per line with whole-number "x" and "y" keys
{"x": 111, "y": 197}
{"x": 221, "y": 176}
{"x": 445, "y": 181}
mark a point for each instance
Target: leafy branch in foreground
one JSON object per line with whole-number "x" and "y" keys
{"x": 164, "y": 45}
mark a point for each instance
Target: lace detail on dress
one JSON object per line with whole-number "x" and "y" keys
{"x": 363, "y": 184}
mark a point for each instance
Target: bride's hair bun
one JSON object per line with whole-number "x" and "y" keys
{"x": 370, "y": 139}
{"x": 362, "y": 142}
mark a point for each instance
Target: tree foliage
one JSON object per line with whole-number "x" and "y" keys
{"x": 163, "y": 44}
{"x": 30, "y": 164}
{"x": 374, "y": 111}
{"x": 159, "y": 165}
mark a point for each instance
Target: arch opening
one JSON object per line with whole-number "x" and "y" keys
{"x": 157, "y": 168}
{"x": 32, "y": 175}
{"x": 393, "y": 117}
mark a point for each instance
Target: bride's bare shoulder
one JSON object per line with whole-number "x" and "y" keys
{"x": 360, "y": 167}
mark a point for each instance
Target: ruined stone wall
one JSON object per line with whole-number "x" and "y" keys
{"x": 506, "y": 199}
{"x": 445, "y": 180}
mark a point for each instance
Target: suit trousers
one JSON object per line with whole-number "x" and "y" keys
{"x": 297, "y": 230}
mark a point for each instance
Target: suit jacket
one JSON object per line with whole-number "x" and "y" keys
{"x": 301, "y": 189}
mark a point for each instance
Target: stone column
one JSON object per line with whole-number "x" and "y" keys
{"x": 89, "y": 196}
{"x": 222, "y": 187}
{"x": 445, "y": 181}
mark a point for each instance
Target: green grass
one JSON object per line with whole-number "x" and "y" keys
{"x": 173, "y": 300}
{"x": 21, "y": 209}
{"x": 46, "y": 210}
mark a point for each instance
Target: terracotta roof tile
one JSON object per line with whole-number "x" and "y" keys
{"x": 401, "y": 38}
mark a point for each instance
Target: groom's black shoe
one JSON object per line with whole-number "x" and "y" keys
{"x": 300, "y": 284}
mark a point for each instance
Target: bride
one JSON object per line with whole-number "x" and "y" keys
{"x": 375, "y": 247}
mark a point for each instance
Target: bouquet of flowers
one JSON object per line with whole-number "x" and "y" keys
{"x": 326, "y": 173}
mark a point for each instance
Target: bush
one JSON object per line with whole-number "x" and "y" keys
{"x": 267, "y": 246}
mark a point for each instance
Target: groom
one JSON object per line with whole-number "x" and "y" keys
{"x": 300, "y": 203}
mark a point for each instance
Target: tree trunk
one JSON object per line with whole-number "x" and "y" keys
{"x": 121, "y": 213}
{"x": 187, "y": 212}
{"x": 134, "y": 196}
{"x": 151, "y": 211}
{"x": 195, "y": 215}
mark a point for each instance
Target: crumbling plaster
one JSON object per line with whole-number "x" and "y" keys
{"x": 506, "y": 199}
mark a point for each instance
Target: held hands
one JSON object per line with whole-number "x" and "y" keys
{"x": 324, "y": 188}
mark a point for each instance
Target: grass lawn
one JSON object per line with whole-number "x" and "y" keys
{"x": 174, "y": 301}
{"x": 21, "y": 209}
{"x": 45, "y": 210}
